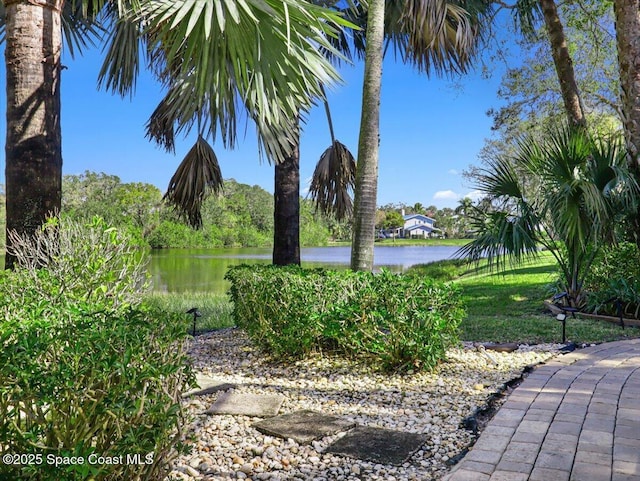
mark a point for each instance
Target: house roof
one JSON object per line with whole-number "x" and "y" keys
{"x": 418, "y": 216}
{"x": 419, "y": 227}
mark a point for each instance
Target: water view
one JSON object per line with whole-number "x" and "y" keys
{"x": 203, "y": 270}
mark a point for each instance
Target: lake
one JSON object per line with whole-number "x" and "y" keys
{"x": 203, "y": 270}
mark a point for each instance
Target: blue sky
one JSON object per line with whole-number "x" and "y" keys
{"x": 431, "y": 130}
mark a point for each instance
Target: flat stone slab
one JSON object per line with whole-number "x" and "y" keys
{"x": 208, "y": 385}
{"x": 255, "y": 405}
{"x": 378, "y": 445}
{"x": 303, "y": 426}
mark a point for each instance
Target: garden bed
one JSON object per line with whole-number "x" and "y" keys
{"x": 612, "y": 319}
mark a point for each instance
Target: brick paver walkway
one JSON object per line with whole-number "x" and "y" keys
{"x": 576, "y": 418}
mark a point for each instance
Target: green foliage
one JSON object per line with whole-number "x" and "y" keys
{"x": 88, "y": 262}
{"x": 446, "y": 270}
{"x": 396, "y": 321}
{"x": 568, "y": 190}
{"x": 86, "y": 371}
{"x": 507, "y": 307}
{"x": 216, "y": 310}
{"x": 241, "y": 216}
{"x": 615, "y": 275}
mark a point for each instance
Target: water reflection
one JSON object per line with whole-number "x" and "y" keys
{"x": 203, "y": 270}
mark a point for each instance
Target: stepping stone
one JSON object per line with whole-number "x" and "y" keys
{"x": 303, "y": 426}
{"x": 255, "y": 405}
{"x": 207, "y": 385}
{"x": 383, "y": 446}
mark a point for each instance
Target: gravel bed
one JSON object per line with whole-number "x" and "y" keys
{"x": 227, "y": 447}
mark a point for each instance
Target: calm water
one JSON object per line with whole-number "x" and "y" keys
{"x": 179, "y": 270}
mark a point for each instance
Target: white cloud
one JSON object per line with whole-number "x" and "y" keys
{"x": 452, "y": 172}
{"x": 445, "y": 195}
{"x": 475, "y": 195}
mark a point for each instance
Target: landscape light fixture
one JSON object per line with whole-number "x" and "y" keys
{"x": 196, "y": 315}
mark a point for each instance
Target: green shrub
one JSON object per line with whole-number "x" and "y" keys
{"x": 90, "y": 373}
{"x": 615, "y": 274}
{"x": 397, "y": 321}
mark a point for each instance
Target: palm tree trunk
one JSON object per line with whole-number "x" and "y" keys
{"x": 563, "y": 64}
{"x": 33, "y": 144}
{"x": 286, "y": 213}
{"x": 366, "y": 189}
{"x": 627, "y": 14}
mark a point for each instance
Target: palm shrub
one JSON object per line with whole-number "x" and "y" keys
{"x": 615, "y": 276}
{"x": 87, "y": 370}
{"x": 564, "y": 192}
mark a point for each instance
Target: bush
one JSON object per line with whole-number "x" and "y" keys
{"x": 90, "y": 373}
{"x": 397, "y": 321}
{"x": 615, "y": 274}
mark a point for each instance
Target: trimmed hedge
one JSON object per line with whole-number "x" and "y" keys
{"x": 396, "y": 321}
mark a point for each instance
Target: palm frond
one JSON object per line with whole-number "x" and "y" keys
{"x": 502, "y": 237}
{"x": 121, "y": 65}
{"x": 196, "y": 176}
{"x": 435, "y": 35}
{"x": 262, "y": 55}
{"x": 81, "y": 27}
{"x": 527, "y": 14}
{"x": 333, "y": 180}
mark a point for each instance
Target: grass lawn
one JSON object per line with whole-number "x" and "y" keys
{"x": 501, "y": 307}
{"x": 215, "y": 309}
{"x": 507, "y": 307}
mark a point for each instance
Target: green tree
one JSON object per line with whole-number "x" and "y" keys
{"x": 207, "y": 54}
{"x": 393, "y": 221}
{"x": 582, "y": 187}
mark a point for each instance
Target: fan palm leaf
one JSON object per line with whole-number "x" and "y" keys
{"x": 240, "y": 60}
{"x": 197, "y": 175}
{"x": 581, "y": 188}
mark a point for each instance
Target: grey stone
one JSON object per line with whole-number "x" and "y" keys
{"x": 255, "y": 405}
{"x": 208, "y": 385}
{"x": 303, "y": 426}
{"x": 384, "y": 446}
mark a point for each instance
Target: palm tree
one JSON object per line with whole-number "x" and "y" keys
{"x": 33, "y": 144}
{"x": 432, "y": 35}
{"x": 627, "y": 15}
{"x": 582, "y": 186}
{"x": 209, "y": 56}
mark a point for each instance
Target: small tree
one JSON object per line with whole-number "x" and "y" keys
{"x": 581, "y": 187}
{"x": 393, "y": 221}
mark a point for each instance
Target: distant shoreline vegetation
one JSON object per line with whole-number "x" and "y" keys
{"x": 242, "y": 216}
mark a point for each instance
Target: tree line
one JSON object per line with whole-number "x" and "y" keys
{"x": 239, "y": 216}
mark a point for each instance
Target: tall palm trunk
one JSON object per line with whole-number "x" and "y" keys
{"x": 366, "y": 189}
{"x": 563, "y": 64}
{"x": 286, "y": 209}
{"x": 33, "y": 143}
{"x": 627, "y": 14}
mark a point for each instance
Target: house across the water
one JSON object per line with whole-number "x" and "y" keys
{"x": 415, "y": 226}
{"x": 418, "y": 225}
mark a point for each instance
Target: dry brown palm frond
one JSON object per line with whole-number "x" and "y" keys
{"x": 160, "y": 127}
{"x": 196, "y": 176}
{"x": 332, "y": 181}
